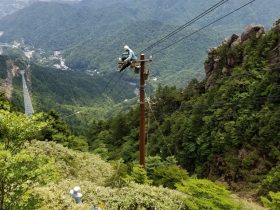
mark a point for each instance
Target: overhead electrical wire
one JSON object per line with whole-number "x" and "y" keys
{"x": 184, "y": 26}
{"x": 195, "y": 32}
{"x": 206, "y": 12}
{"x": 220, "y": 3}
{"x": 179, "y": 29}
{"x": 191, "y": 22}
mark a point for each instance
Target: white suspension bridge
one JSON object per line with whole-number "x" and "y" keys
{"x": 27, "y": 99}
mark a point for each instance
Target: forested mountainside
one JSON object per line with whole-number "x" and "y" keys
{"x": 37, "y": 172}
{"x": 8, "y": 7}
{"x": 213, "y": 144}
{"x": 66, "y": 92}
{"x": 90, "y": 39}
{"x": 39, "y": 166}
{"x": 226, "y": 127}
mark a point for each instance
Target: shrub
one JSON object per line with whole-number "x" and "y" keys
{"x": 168, "y": 176}
{"x": 271, "y": 182}
{"x": 205, "y": 194}
{"x": 273, "y": 201}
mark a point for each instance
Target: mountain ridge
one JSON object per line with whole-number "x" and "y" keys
{"x": 87, "y": 26}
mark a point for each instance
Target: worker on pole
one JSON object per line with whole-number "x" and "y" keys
{"x": 127, "y": 58}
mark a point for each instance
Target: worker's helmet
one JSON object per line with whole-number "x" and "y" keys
{"x": 77, "y": 189}
{"x": 126, "y": 47}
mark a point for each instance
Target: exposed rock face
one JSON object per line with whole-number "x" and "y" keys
{"x": 209, "y": 65}
{"x": 12, "y": 71}
{"x": 274, "y": 55}
{"x": 236, "y": 42}
{"x": 7, "y": 85}
{"x": 252, "y": 31}
{"x": 230, "y": 40}
{"x": 212, "y": 67}
{"x": 226, "y": 71}
{"x": 217, "y": 66}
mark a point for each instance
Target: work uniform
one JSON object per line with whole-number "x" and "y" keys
{"x": 127, "y": 61}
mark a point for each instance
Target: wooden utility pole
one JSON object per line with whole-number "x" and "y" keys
{"x": 143, "y": 76}
{"x": 142, "y": 111}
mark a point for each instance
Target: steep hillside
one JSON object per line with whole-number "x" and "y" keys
{"x": 225, "y": 127}
{"x": 186, "y": 58}
{"x": 93, "y": 32}
{"x": 8, "y": 7}
{"x": 89, "y": 16}
{"x": 67, "y": 92}
{"x": 39, "y": 174}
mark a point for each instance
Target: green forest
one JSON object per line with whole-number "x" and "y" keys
{"x": 39, "y": 168}
{"x": 225, "y": 127}
{"x": 213, "y": 144}
{"x": 68, "y": 92}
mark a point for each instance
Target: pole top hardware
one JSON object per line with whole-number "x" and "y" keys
{"x": 146, "y": 60}
{"x": 136, "y": 65}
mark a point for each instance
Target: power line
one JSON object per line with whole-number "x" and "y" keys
{"x": 191, "y": 22}
{"x": 195, "y": 32}
{"x": 171, "y": 34}
{"x": 186, "y": 24}
{"x": 106, "y": 85}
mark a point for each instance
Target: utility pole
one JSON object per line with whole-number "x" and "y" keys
{"x": 144, "y": 73}
{"x": 142, "y": 111}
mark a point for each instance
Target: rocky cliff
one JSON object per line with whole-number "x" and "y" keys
{"x": 9, "y": 69}
{"x": 232, "y": 52}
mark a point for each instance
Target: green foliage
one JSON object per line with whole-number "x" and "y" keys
{"x": 138, "y": 175}
{"x": 39, "y": 174}
{"x": 229, "y": 132}
{"x": 42, "y": 163}
{"x": 273, "y": 201}
{"x": 206, "y": 195}
{"x": 271, "y": 182}
{"x": 48, "y": 171}
{"x": 78, "y": 102}
{"x": 167, "y": 99}
{"x": 119, "y": 178}
{"x": 168, "y": 176}
{"x": 74, "y": 164}
{"x": 16, "y": 128}
{"x": 134, "y": 196}
{"x": 71, "y": 141}
{"x": 165, "y": 173}
{"x": 19, "y": 173}
{"x": 91, "y": 173}
{"x": 4, "y": 103}
{"x": 118, "y": 137}
{"x": 22, "y": 168}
